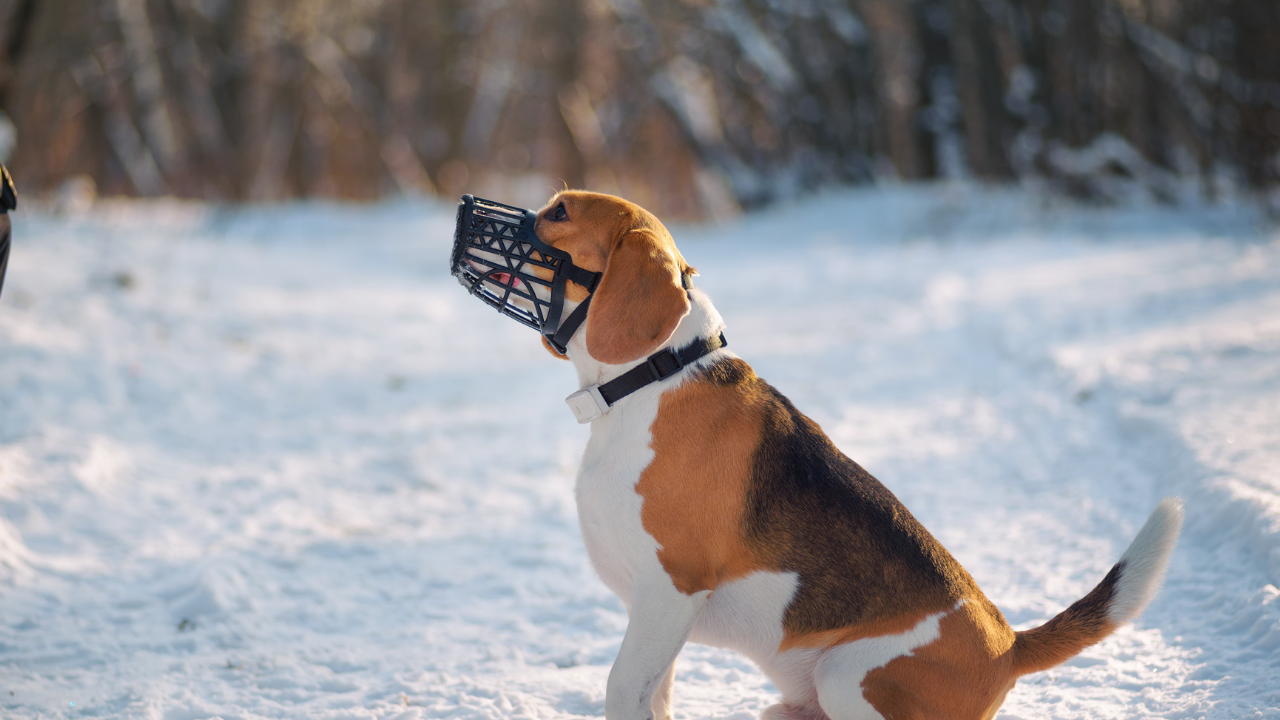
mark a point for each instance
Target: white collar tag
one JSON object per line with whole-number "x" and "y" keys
{"x": 587, "y": 404}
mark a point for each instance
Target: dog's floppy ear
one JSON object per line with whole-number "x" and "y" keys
{"x": 640, "y": 299}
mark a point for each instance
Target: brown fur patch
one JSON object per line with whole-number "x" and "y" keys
{"x": 695, "y": 489}
{"x": 963, "y": 675}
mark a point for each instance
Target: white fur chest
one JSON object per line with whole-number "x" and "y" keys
{"x": 608, "y": 504}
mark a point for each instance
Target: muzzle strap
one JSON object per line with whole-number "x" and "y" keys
{"x": 567, "y": 327}
{"x": 564, "y": 333}
{"x": 582, "y": 276}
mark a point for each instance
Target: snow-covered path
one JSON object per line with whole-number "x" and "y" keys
{"x": 275, "y": 463}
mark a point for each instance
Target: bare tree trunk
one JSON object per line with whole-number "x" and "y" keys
{"x": 692, "y": 108}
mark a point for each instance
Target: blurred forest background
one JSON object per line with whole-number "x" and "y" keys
{"x": 694, "y": 108}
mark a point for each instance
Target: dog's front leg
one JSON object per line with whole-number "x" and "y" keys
{"x": 660, "y": 622}
{"x": 662, "y": 697}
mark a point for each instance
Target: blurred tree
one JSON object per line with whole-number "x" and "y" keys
{"x": 692, "y": 107}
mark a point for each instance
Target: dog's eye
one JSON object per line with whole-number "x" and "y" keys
{"x": 559, "y": 214}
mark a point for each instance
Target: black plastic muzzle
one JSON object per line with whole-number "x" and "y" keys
{"x": 496, "y": 253}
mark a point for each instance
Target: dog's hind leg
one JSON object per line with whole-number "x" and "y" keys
{"x": 952, "y": 665}
{"x": 841, "y": 675}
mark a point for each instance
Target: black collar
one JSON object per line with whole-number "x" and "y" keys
{"x": 658, "y": 366}
{"x": 592, "y": 402}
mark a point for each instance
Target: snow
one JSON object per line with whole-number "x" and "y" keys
{"x": 273, "y": 462}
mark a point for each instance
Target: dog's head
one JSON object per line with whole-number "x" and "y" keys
{"x": 640, "y": 300}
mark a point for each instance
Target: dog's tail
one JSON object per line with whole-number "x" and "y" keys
{"x": 1119, "y": 598}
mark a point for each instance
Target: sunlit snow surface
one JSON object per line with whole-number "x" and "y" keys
{"x": 276, "y": 463}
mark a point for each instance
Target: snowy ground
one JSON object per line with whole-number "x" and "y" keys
{"x": 275, "y": 463}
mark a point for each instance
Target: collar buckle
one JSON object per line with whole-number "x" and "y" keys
{"x": 666, "y": 357}
{"x": 587, "y": 404}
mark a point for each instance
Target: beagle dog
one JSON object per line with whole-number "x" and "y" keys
{"x": 719, "y": 513}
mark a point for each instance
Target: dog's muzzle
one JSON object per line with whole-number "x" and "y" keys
{"x": 496, "y": 253}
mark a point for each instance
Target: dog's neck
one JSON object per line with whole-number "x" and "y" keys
{"x": 703, "y": 321}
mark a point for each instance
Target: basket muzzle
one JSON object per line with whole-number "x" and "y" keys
{"x": 499, "y": 258}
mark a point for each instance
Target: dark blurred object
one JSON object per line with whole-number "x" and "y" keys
{"x": 1106, "y": 97}
{"x": 8, "y": 201}
{"x": 689, "y": 107}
